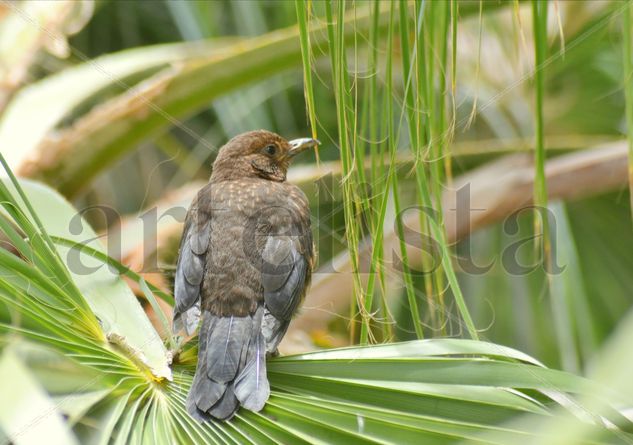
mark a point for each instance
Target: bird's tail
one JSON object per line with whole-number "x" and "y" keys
{"x": 231, "y": 367}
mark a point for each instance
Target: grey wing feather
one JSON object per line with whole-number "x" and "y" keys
{"x": 284, "y": 276}
{"x": 190, "y": 271}
{"x": 188, "y": 320}
{"x": 274, "y": 330}
{"x": 286, "y": 272}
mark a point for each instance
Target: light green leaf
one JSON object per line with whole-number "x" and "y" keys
{"x": 75, "y": 405}
{"x": 107, "y": 294}
{"x": 102, "y": 420}
{"x": 419, "y": 348}
{"x": 58, "y": 374}
{"x": 27, "y": 414}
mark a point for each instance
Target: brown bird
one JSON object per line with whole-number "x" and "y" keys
{"x": 245, "y": 262}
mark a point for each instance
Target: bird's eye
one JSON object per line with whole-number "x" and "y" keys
{"x": 270, "y": 150}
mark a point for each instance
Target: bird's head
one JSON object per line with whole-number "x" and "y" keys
{"x": 259, "y": 153}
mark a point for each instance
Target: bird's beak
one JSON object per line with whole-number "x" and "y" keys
{"x": 299, "y": 145}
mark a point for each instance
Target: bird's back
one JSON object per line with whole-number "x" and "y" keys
{"x": 244, "y": 214}
{"x": 255, "y": 270}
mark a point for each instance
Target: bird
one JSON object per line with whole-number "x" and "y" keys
{"x": 245, "y": 262}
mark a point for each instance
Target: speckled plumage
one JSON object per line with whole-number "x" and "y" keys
{"x": 245, "y": 262}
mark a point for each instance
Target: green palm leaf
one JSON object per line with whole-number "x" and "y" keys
{"x": 439, "y": 390}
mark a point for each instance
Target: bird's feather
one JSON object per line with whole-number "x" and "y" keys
{"x": 190, "y": 270}
{"x": 227, "y": 338}
{"x": 188, "y": 320}
{"x": 226, "y": 407}
{"x": 273, "y": 330}
{"x": 231, "y": 366}
{"x": 284, "y": 276}
{"x": 251, "y": 385}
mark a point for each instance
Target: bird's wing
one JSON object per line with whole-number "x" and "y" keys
{"x": 190, "y": 267}
{"x": 286, "y": 274}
